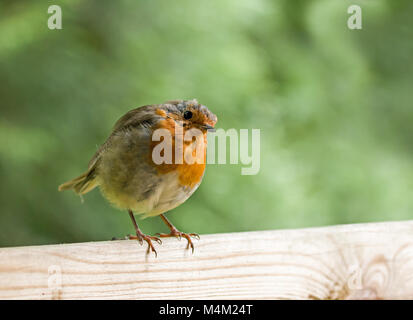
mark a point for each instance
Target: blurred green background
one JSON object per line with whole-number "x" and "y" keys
{"x": 334, "y": 107}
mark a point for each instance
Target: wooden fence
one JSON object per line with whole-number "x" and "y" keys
{"x": 363, "y": 261}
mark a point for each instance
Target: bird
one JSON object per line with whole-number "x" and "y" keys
{"x": 128, "y": 171}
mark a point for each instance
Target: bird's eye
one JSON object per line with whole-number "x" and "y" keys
{"x": 187, "y": 115}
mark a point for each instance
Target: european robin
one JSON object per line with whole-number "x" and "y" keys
{"x": 129, "y": 176}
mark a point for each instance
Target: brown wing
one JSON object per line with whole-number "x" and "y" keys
{"x": 142, "y": 116}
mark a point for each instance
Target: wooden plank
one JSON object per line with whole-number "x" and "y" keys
{"x": 365, "y": 261}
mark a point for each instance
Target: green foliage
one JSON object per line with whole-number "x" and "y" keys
{"x": 334, "y": 107}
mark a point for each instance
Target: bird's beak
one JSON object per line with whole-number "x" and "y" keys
{"x": 208, "y": 128}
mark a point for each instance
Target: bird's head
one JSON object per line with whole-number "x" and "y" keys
{"x": 191, "y": 114}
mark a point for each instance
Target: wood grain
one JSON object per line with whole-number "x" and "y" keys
{"x": 365, "y": 261}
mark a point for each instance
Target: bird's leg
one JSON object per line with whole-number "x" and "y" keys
{"x": 140, "y": 236}
{"x": 178, "y": 234}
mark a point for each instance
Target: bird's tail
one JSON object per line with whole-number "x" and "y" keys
{"x": 82, "y": 184}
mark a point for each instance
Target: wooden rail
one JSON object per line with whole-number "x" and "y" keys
{"x": 365, "y": 261}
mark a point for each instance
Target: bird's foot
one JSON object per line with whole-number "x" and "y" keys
{"x": 178, "y": 234}
{"x": 143, "y": 237}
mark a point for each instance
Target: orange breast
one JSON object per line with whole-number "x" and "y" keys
{"x": 189, "y": 174}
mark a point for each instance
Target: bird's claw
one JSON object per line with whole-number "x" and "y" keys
{"x": 148, "y": 239}
{"x": 195, "y": 235}
{"x": 180, "y": 235}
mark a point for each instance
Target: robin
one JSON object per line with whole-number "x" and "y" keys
{"x": 129, "y": 173}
